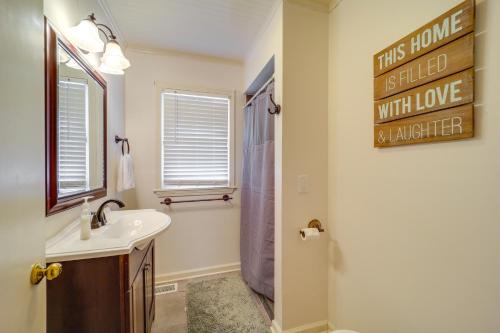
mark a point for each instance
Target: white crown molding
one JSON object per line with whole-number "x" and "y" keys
{"x": 318, "y": 5}
{"x": 112, "y": 22}
{"x": 334, "y": 4}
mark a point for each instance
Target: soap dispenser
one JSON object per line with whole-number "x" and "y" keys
{"x": 85, "y": 219}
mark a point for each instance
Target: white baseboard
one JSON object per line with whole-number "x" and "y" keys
{"x": 196, "y": 273}
{"x": 317, "y": 327}
{"x": 275, "y": 328}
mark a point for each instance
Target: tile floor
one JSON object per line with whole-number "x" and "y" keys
{"x": 171, "y": 308}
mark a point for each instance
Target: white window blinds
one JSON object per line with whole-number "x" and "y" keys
{"x": 73, "y": 162}
{"x": 195, "y": 139}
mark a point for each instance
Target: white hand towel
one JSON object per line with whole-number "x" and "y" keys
{"x": 126, "y": 178}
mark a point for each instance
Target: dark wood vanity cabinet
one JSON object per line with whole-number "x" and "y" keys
{"x": 104, "y": 295}
{"x": 142, "y": 293}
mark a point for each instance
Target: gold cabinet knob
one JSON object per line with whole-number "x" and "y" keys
{"x": 38, "y": 272}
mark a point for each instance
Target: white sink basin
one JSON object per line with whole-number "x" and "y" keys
{"x": 125, "y": 227}
{"x": 125, "y": 230}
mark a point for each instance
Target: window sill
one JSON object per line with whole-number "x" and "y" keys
{"x": 163, "y": 193}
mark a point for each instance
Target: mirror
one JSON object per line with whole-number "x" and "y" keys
{"x": 80, "y": 110}
{"x": 75, "y": 126}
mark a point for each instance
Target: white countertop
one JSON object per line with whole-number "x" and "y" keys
{"x": 125, "y": 230}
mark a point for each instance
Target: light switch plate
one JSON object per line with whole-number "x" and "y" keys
{"x": 303, "y": 183}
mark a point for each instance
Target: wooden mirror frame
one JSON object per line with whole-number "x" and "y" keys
{"x": 54, "y": 204}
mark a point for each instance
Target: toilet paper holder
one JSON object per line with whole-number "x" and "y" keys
{"x": 315, "y": 223}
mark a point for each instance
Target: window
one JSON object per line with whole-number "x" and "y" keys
{"x": 72, "y": 143}
{"x": 196, "y": 140}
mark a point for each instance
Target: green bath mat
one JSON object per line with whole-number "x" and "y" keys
{"x": 223, "y": 305}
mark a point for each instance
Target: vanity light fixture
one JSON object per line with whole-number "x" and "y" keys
{"x": 103, "y": 68}
{"x": 86, "y": 36}
{"x": 113, "y": 57}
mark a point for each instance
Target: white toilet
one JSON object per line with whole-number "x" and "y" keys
{"x": 344, "y": 331}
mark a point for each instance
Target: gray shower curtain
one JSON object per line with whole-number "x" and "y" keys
{"x": 257, "y": 197}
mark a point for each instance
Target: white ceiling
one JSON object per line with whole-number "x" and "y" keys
{"x": 222, "y": 28}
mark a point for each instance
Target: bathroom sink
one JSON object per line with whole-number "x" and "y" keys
{"x": 125, "y": 227}
{"x": 125, "y": 230}
{"x": 133, "y": 225}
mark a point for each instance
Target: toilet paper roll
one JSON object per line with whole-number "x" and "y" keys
{"x": 309, "y": 234}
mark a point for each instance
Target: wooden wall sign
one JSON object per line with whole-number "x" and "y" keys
{"x": 447, "y": 60}
{"x": 451, "y": 124}
{"x": 428, "y": 77}
{"x": 454, "y": 90}
{"x": 453, "y": 24}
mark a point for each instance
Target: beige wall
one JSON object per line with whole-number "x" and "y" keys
{"x": 416, "y": 227}
{"x": 202, "y": 234}
{"x": 304, "y": 149}
{"x": 298, "y": 38}
{"x": 64, "y": 14}
{"x": 22, "y": 176}
{"x": 269, "y": 42}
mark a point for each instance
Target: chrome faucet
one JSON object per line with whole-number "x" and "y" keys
{"x": 99, "y": 218}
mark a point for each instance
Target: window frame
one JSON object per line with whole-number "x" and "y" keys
{"x": 162, "y": 191}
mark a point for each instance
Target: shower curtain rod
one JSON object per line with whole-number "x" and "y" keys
{"x": 261, "y": 89}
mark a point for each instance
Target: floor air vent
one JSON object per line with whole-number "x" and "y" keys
{"x": 166, "y": 288}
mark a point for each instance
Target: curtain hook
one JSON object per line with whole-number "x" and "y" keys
{"x": 277, "y": 107}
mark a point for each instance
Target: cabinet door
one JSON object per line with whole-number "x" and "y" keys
{"x": 149, "y": 288}
{"x": 138, "y": 304}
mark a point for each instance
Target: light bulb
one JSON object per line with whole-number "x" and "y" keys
{"x": 86, "y": 36}
{"x": 113, "y": 56}
{"x": 103, "y": 68}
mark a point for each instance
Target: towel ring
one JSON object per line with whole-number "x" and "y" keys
{"x": 123, "y": 145}
{"x": 123, "y": 141}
